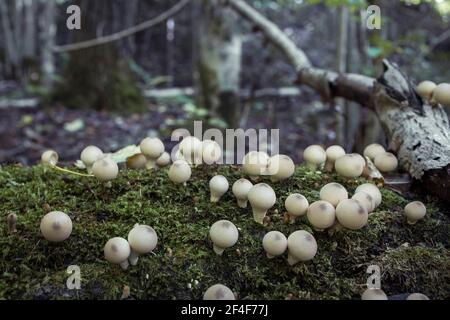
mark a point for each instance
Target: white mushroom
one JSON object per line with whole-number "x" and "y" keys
{"x": 333, "y": 152}
{"x": 152, "y": 148}
{"x": 90, "y": 155}
{"x": 262, "y": 198}
{"x": 372, "y": 150}
{"x": 49, "y": 158}
{"x": 365, "y": 199}
{"x": 218, "y": 186}
{"x": 137, "y": 161}
{"x": 441, "y": 94}
{"x": 333, "y": 193}
{"x": 372, "y": 190}
{"x": 374, "y": 294}
{"x": 425, "y": 89}
{"x": 350, "y": 165}
{"x": 142, "y": 239}
{"x": 240, "y": 190}
{"x": 321, "y": 214}
{"x": 415, "y": 211}
{"x": 191, "y": 149}
{"x": 417, "y": 296}
{"x": 351, "y": 214}
{"x": 56, "y": 226}
{"x": 223, "y": 234}
{"x": 274, "y": 243}
{"x": 280, "y": 167}
{"x": 117, "y": 250}
{"x": 219, "y": 292}
{"x": 296, "y": 206}
{"x": 302, "y": 246}
{"x": 180, "y": 172}
{"x": 211, "y": 152}
{"x": 105, "y": 169}
{"x": 315, "y": 156}
{"x": 386, "y": 162}
{"x": 255, "y": 164}
{"x": 163, "y": 160}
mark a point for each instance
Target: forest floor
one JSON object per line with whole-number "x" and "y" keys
{"x": 412, "y": 258}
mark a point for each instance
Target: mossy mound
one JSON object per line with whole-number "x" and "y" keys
{"x": 412, "y": 258}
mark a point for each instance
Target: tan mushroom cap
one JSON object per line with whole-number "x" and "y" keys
{"x": 136, "y": 161}
{"x": 219, "y": 292}
{"x": 386, "y": 162}
{"x": 152, "y": 148}
{"x": 211, "y": 152}
{"x": 415, "y": 211}
{"x": 349, "y": 165}
{"x": 280, "y": 167}
{"x": 365, "y": 199}
{"x": 179, "y": 171}
{"x": 333, "y": 152}
{"x": 441, "y": 94}
{"x": 302, "y": 246}
{"x": 296, "y": 204}
{"x": 372, "y": 190}
{"x": 163, "y": 160}
{"x": 56, "y": 226}
{"x": 374, "y": 294}
{"x": 333, "y": 193}
{"x": 372, "y": 150}
{"x": 240, "y": 190}
{"x": 351, "y": 214}
{"x": 223, "y": 234}
{"x": 255, "y": 163}
{"x": 117, "y": 250}
{"x": 274, "y": 243}
{"x": 49, "y": 157}
{"x": 90, "y": 154}
{"x": 262, "y": 198}
{"x": 321, "y": 214}
{"x": 218, "y": 186}
{"x": 417, "y": 296}
{"x": 105, "y": 169}
{"x": 142, "y": 239}
{"x": 425, "y": 89}
{"x": 315, "y": 156}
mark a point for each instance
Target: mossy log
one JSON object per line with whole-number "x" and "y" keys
{"x": 412, "y": 258}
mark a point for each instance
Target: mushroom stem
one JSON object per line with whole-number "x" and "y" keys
{"x": 411, "y": 222}
{"x": 11, "y": 220}
{"x": 254, "y": 178}
{"x": 124, "y": 264}
{"x": 133, "y": 258}
{"x": 329, "y": 166}
{"x": 291, "y": 259}
{"x": 269, "y": 256}
{"x": 89, "y": 169}
{"x": 214, "y": 198}
{"x": 258, "y": 215}
{"x": 151, "y": 164}
{"x": 218, "y": 250}
{"x": 291, "y": 219}
{"x": 242, "y": 203}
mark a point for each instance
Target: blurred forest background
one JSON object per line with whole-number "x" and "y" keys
{"x": 196, "y": 60}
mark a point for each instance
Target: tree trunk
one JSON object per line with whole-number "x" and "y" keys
{"x": 29, "y": 50}
{"x": 12, "y": 57}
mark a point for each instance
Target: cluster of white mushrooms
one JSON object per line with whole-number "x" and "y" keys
{"x": 433, "y": 93}
{"x": 378, "y": 294}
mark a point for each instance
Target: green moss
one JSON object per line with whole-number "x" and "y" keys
{"x": 412, "y": 258}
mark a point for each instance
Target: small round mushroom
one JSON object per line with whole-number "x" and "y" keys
{"x": 117, "y": 250}
{"x": 441, "y": 94}
{"x": 262, "y": 198}
{"x": 191, "y": 149}
{"x": 425, "y": 89}
{"x": 105, "y": 169}
{"x": 333, "y": 152}
{"x": 137, "y": 161}
{"x": 321, "y": 214}
{"x": 240, "y": 190}
{"x": 349, "y": 165}
{"x": 296, "y": 206}
{"x": 315, "y": 156}
{"x": 351, "y": 214}
{"x": 49, "y": 158}
{"x": 218, "y": 186}
{"x": 415, "y": 211}
{"x": 274, "y": 243}
{"x": 302, "y": 246}
{"x": 223, "y": 234}
{"x": 386, "y": 162}
{"x": 11, "y": 220}
{"x": 372, "y": 190}
{"x": 280, "y": 167}
{"x": 417, "y": 296}
{"x": 56, "y": 226}
{"x": 211, "y": 152}
{"x": 152, "y": 148}
{"x": 163, "y": 160}
{"x": 333, "y": 193}
{"x": 255, "y": 164}
{"x": 365, "y": 199}
{"x": 374, "y": 294}
{"x": 142, "y": 239}
{"x": 180, "y": 172}
{"x": 372, "y": 150}
{"x": 219, "y": 292}
{"x": 90, "y": 155}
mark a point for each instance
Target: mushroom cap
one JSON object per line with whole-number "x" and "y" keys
{"x": 262, "y": 196}
{"x": 219, "y": 292}
{"x": 415, "y": 210}
{"x": 56, "y": 226}
{"x": 425, "y": 89}
{"x": 142, "y": 238}
{"x": 255, "y": 163}
{"x": 49, "y": 157}
{"x": 315, "y": 154}
{"x": 374, "y": 294}
{"x": 351, "y": 214}
{"x": 241, "y": 188}
{"x": 190, "y": 147}
{"x": 417, "y": 296}
{"x": 211, "y": 151}
{"x": 275, "y": 243}
{"x": 152, "y": 148}
{"x": 321, "y": 214}
{"x": 224, "y": 234}
{"x": 365, "y": 199}
{"x": 105, "y": 169}
{"x": 136, "y": 161}
{"x": 349, "y": 165}
{"x": 219, "y": 184}
{"x": 90, "y": 154}
{"x": 386, "y": 162}
{"x": 163, "y": 160}
{"x": 334, "y": 152}
{"x": 442, "y": 94}
{"x": 302, "y": 245}
{"x": 372, "y": 150}
{"x": 296, "y": 204}
{"x": 280, "y": 166}
{"x": 179, "y": 171}
{"x": 333, "y": 193}
{"x": 117, "y": 250}
{"x": 372, "y": 190}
